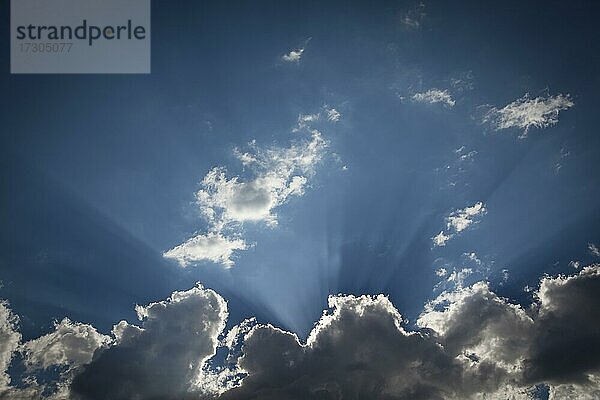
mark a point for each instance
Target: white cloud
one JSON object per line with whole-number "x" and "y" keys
{"x": 441, "y": 238}
{"x": 433, "y": 96}
{"x": 70, "y": 343}
{"x": 458, "y": 221}
{"x": 472, "y": 257}
{"x": 333, "y": 115}
{"x": 213, "y": 247}
{"x": 228, "y": 202}
{"x": 441, "y": 272}
{"x": 593, "y": 248}
{"x": 293, "y": 55}
{"x": 526, "y": 112}
{"x": 69, "y": 346}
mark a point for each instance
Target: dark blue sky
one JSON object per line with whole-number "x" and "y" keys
{"x": 99, "y": 171}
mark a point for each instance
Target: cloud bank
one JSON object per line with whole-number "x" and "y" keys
{"x": 468, "y": 343}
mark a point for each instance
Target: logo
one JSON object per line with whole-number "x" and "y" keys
{"x": 80, "y": 36}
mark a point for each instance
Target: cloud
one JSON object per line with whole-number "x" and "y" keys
{"x": 333, "y": 115}
{"x": 65, "y": 350}
{"x": 565, "y": 347}
{"x": 162, "y": 358}
{"x": 526, "y": 112}
{"x": 471, "y": 344}
{"x": 468, "y": 343}
{"x": 70, "y": 343}
{"x": 227, "y": 202}
{"x": 433, "y": 96}
{"x": 594, "y": 249}
{"x": 293, "y": 56}
{"x": 458, "y": 221}
{"x": 454, "y": 170}
{"x": 413, "y": 18}
{"x": 10, "y": 338}
{"x": 213, "y": 247}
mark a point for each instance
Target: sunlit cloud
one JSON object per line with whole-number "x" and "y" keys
{"x": 527, "y": 112}
{"x": 458, "y": 221}
{"x": 227, "y": 202}
{"x": 212, "y": 247}
{"x": 433, "y": 96}
{"x": 333, "y": 115}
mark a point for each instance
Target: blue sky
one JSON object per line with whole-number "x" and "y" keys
{"x": 442, "y": 106}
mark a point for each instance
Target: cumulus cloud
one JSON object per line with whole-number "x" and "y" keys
{"x": 66, "y": 349}
{"x": 458, "y": 221}
{"x": 527, "y": 112}
{"x": 227, "y": 202}
{"x": 471, "y": 344}
{"x": 468, "y": 343}
{"x": 433, "y": 96}
{"x": 162, "y": 358}
{"x": 70, "y": 343}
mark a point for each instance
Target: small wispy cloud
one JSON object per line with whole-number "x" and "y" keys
{"x": 461, "y": 162}
{"x": 333, "y": 115}
{"x": 594, "y": 250}
{"x": 295, "y": 55}
{"x": 433, "y": 96}
{"x": 458, "y": 221}
{"x": 412, "y": 18}
{"x": 527, "y": 112}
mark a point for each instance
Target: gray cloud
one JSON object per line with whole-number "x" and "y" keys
{"x": 472, "y": 344}
{"x": 161, "y": 358}
{"x": 469, "y": 343}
